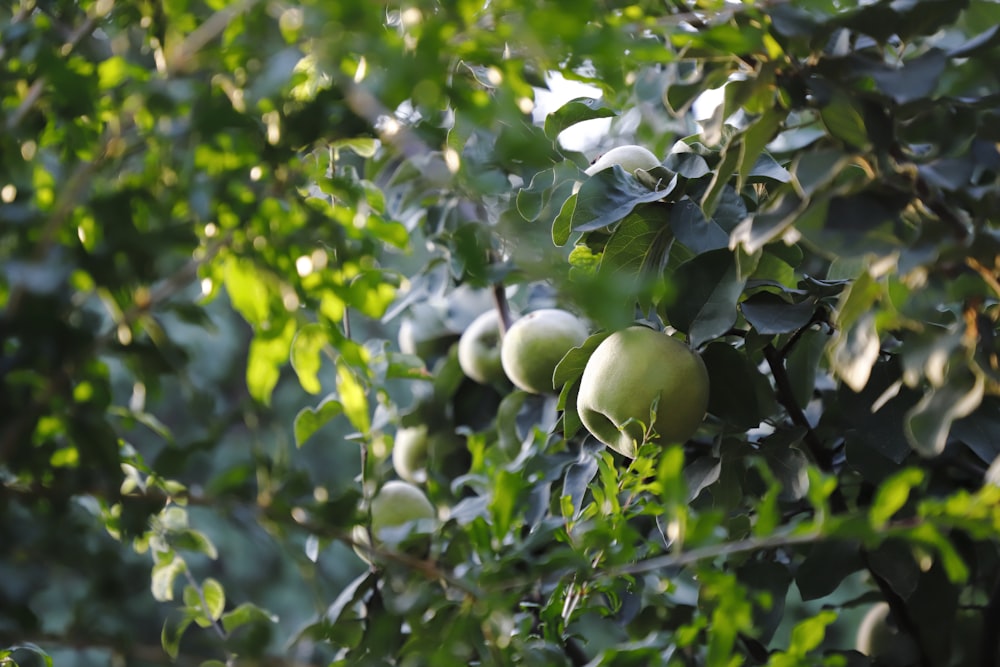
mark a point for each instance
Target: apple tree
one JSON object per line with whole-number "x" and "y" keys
{"x": 239, "y": 423}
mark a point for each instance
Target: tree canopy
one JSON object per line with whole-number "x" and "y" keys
{"x": 241, "y": 239}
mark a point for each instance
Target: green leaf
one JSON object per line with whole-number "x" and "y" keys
{"x": 215, "y": 598}
{"x": 268, "y": 353}
{"x": 845, "y": 121}
{"x": 928, "y": 422}
{"x": 309, "y": 420}
{"x": 172, "y": 632}
{"x": 693, "y": 230}
{"x": 739, "y": 393}
{"x": 305, "y": 355}
{"x": 353, "y": 398}
{"x": 576, "y": 111}
{"x": 246, "y": 614}
{"x": 608, "y": 196}
{"x": 248, "y": 291}
{"x": 164, "y": 574}
{"x": 25, "y": 646}
{"x": 892, "y": 495}
{"x": 807, "y": 635}
{"x": 194, "y": 540}
{"x": 855, "y": 345}
{"x": 639, "y": 246}
{"x": 709, "y": 289}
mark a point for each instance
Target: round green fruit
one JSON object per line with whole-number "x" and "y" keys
{"x": 415, "y": 448}
{"x": 535, "y": 344}
{"x": 879, "y": 638}
{"x": 630, "y": 370}
{"x": 479, "y": 349}
{"x": 395, "y": 505}
{"x": 629, "y": 157}
{"x": 393, "y": 509}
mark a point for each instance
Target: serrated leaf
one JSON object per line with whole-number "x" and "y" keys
{"x": 576, "y": 111}
{"x": 639, "y": 246}
{"x": 309, "y": 420}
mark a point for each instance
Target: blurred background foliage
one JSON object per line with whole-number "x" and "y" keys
{"x": 240, "y": 240}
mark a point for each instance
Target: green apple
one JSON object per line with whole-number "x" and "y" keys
{"x": 395, "y": 505}
{"x": 535, "y": 344}
{"x": 879, "y": 638}
{"x": 630, "y": 370}
{"x": 415, "y": 448}
{"x": 479, "y": 349}
{"x": 629, "y": 157}
{"x": 399, "y": 511}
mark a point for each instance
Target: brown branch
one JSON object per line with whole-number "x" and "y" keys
{"x": 786, "y": 396}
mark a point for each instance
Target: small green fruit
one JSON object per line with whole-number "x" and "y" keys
{"x": 879, "y": 638}
{"x": 415, "y": 448}
{"x": 627, "y": 372}
{"x": 629, "y": 157}
{"x": 479, "y": 349}
{"x": 536, "y": 343}
{"x": 396, "y": 504}
{"x": 399, "y": 512}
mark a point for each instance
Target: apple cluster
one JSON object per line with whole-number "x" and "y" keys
{"x": 639, "y": 384}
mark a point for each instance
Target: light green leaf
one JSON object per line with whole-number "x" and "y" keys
{"x": 268, "y": 353}
{"x": 309, "y": 420}
{"x": 245, "y": 614}
{"x": 353, "y": 398}
{"x": 305, "y": 356}
{"x": 164, "y": 575}
{"x": 892, "y": 495}
{"x": 249, "y": 293}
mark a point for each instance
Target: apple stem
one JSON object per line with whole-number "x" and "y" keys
{"x": 503, "y": 308}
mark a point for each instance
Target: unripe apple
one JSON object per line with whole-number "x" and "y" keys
{"x": 415, "y": 448}
{"x": 393, "y": 508}
{"x": 479, "y": 349}
{"x": 879, "y": 638}
{"x": 629, "y": 157}
{"x": 627, "y": 372}
{"x": 535, "y": 344}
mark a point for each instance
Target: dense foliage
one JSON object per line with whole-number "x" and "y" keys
{"x": 240, "y": 241}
